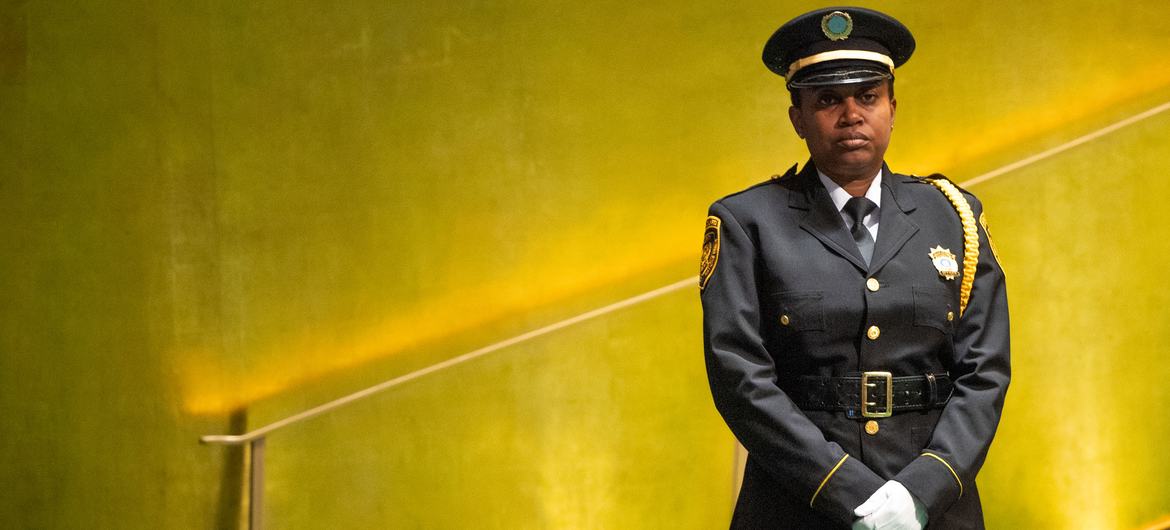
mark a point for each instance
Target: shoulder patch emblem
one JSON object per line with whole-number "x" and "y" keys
{"x": 710, "y": 251}
{"x": 983, "y": 223}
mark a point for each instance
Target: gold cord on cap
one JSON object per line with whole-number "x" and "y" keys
{"x": 835, "y": 55}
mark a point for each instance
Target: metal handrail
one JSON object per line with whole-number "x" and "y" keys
{"x": 256, "y": 438}
{"x": 240, "y": 439}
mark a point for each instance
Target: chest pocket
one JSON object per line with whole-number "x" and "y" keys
{"x": 800, "y": 311}
{"x": 935, "y": 307}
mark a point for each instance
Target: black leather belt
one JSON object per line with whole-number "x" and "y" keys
{"x": 870, "y": 394}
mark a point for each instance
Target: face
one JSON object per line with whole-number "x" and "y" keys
{"x": 846, "y": 127}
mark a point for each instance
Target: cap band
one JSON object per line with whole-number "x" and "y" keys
{"x": 842, "y": 77}
{"x": 835, "y": 55}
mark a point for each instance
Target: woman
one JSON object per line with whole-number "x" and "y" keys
{"x": 855, "y": 319}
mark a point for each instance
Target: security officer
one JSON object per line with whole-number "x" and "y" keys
{"x": 854, "y": 319}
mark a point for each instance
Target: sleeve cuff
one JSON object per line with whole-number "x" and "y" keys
{"x": 844, "y": 488}
{"x": 933, "y": 481}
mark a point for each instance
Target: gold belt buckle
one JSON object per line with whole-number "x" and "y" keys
{"x": 866, "y": 403}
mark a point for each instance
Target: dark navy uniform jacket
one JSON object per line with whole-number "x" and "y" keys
{"x": 784, "y": 253}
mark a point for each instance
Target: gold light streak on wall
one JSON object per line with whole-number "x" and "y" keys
{"x": 1035, "y": 125}
{"x": 212, "y": 387}
{"x": 1160, "y": 524}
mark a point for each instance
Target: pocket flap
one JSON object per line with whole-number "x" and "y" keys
{"x": 800, "y": 310}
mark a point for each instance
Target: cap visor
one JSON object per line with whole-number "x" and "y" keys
{"x": 841, "y": 77}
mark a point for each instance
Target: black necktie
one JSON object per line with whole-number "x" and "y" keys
{"x": 857, "y": 208}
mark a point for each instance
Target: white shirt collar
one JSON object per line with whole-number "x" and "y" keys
{"x": 840, "y": 196}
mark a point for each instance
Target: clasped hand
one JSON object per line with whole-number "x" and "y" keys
{"x": 891, "y": 507}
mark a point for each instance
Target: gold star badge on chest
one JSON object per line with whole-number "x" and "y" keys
{"x": 945, "y": 262}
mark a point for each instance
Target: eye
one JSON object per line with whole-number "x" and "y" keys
{"x": 827, "y": 99}
{"x": 868, "y": 98}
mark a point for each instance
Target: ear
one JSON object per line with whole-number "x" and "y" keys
{"x": 893, "y": 109}
{"x": 794, "y": 116}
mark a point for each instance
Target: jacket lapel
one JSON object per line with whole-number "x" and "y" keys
{"x": 823, "y": 220}
{"x": 895, "y": 227}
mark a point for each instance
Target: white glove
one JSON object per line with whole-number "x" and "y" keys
{"x": 891, "y": 507}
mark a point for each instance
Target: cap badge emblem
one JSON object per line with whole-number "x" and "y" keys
{"x": 837, "y": 25}
{"x": 945, "y": 262}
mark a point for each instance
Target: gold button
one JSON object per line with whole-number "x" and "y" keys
{"x": 784, "y": 320}
{"x": 950, "y": 316}
{"x": 872, "y": 284}
{"x": 871, "y": 427}
{"x": 873, "y": 333}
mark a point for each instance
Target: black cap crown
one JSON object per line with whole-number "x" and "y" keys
{"x": 838, "y": 45}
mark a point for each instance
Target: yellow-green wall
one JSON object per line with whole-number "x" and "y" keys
{"x": 214, "y": 214}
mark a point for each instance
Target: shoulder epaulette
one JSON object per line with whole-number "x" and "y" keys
{"x": 771, "y": 180}
{"x": 938, "y": 176}
{"x": 791, "y": 173}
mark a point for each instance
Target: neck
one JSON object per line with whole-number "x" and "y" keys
{"x": 855, "y": 186}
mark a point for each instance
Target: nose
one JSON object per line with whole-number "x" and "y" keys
{"x": 850, "y": 113}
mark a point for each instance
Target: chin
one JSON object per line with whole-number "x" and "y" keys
{"x": 862, "y": 163}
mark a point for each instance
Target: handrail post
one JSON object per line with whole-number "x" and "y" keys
{"x": 256, "y": 485}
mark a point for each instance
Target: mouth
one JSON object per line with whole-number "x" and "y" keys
{"x": 853, "y": 141}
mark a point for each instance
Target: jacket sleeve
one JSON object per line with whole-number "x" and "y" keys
{"x": 981, "y": 371}
{"x": 742, "y": 376}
